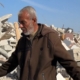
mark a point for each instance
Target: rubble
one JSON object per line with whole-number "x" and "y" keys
{"x": 8, "y": 40}
{"x": 71, "y": 42}
{"x": 10, "y": 34}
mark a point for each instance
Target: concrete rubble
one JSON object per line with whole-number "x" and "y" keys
{"x": 71, "y": 42}
{"x": 10, "y": 34}
{"x": 8, "y": 40}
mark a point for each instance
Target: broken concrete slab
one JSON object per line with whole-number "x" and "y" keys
{"x": 7, "y": 48}
{"x": 75, "y": 54}
{"x": 65, "y": 46}
{"x": 3, "y": 42}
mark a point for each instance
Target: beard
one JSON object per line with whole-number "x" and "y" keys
{"x": 30, "y": 30}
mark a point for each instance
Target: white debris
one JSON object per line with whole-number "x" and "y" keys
{"x": 60, "y": 77}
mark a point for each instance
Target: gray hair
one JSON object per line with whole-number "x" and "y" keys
{"x": 30, "y": 10}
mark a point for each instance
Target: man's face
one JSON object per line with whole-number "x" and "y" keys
{"x": 25, "y": 23}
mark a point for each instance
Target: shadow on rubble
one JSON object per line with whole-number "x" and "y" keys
{"x": 13, "y": 76}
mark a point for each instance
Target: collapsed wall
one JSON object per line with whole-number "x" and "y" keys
{"x": 10, "y": 34}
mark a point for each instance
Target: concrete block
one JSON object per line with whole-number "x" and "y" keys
{"x": 12, "y": 42}
{"x": 3, "y": 42}
{"x": 7, "y": 47}
{"x": 65, "y": 46}
{"x": 75, "y": 53}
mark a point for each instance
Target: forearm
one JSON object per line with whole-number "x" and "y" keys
{"x": 66, "y": 60}
{"x": 9, "y": 65}
{"x": 4, "y": 69}
{"x": 64, "y": 57}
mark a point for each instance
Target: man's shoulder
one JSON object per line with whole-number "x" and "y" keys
{"x": 47, "y": 29}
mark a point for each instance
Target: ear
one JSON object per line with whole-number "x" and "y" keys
{"x": 34, "y": 20}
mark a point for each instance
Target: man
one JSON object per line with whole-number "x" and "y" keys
{"x": 38, "y": 51}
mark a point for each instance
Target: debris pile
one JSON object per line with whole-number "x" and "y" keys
{"x": 10, "y": 34}
{"x": 71, "y": 42}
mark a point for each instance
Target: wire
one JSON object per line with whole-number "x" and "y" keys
{"x": 1, "y": 4}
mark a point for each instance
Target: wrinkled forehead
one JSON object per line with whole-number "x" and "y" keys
{"x": 23, "y": 15}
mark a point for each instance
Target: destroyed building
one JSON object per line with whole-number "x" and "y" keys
{"x": 10, "y": 34}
